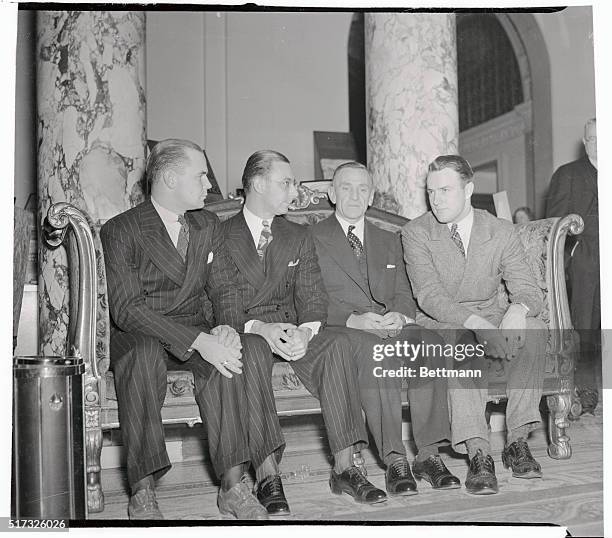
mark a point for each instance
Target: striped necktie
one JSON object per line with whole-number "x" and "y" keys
{"x": 457, "y": 239}
{"x": 264, "y": 239}
{"x": 183, "y": 238}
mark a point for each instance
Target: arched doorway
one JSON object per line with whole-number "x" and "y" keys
{"x": 511, "y": 150}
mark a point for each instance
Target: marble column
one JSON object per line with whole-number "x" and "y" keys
{"x": 411, "y": 96}
{"x": 91, "y": 133}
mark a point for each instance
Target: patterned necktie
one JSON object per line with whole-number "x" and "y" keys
{"x": 354, "y": 242}
{"x": 264, "y": 239}
{"x": 457, "y": 239}
{"x": 183, "y": 238}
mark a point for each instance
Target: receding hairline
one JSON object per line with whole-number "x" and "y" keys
{"x": 352, "y": 165}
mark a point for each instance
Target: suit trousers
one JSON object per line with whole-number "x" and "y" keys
{"x": 468, "y": 396}
{"x": 381, "y": 397}
{"x": 327, "y": 372}
{"x": 140, "y": 364}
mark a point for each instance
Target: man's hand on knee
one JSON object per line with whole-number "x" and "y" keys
{"x": 276, "y": 336}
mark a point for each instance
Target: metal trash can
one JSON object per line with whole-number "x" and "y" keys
{"x": 48, "y": 438}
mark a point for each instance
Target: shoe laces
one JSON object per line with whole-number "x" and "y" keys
{"x": 242, "y": 489}
{"x": 271, "y": 486}
{"x": 400, "y": 466}
{"x": 438, "y": 464}
{"x": 358, "y": 474}
{"x": 482, "y": 463}
{"x": 522, "y": 449}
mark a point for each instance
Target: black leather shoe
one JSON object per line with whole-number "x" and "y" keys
{"x": 270, "y": 494}
{"x": 518, "y": 456}
{"x": 399, "y": 479}
{"x": 481, "y": 478}
{"x": 353, "y": 482}
{"x": 435, "y": 472}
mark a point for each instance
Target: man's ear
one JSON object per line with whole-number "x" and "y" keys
{"x": 469, "y": 189}
{"x": 169, "y": 178}
{"x": 258, "y": 184}
{"x": 331, "y": 193}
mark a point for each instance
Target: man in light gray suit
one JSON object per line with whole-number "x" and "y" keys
{"x": 456, "y": 258}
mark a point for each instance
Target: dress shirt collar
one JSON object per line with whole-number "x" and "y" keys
{"x": 359, "y": 226}
{"x": 167, "y": 216}
{"x": 464, "y": 227}
{"x": 254, "y": 223}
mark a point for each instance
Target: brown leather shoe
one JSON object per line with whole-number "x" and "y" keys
{"x": 239, "y": 502}
{"x": 353, "y": 482}
{"x": 143, "y": 505}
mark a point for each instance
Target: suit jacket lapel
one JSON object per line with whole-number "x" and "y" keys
{"x": 341, "y": 252}
{"x": 376, "y": 255}
{"x": 196, "y": 259}
{"x": 159, "y": 246}
{"x": 243, "y": 251}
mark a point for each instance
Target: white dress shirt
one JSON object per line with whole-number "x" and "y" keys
{"x": 170, "y": 220}
{"x": 255, "y": 225}
{"x": 359, "y": 231}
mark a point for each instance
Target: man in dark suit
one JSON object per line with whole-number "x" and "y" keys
{"x": 370, "y": 299}
{"x": 269, "y": 283}
{"x": 456, "y": 258}
{"x": 573, "y": 189}
{"x": 159, "y": 257}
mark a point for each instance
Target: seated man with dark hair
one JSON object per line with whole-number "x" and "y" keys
{"x": 159, "y": 264}
{"x": 269, "y": 283}
{"x": 456, "y": 258}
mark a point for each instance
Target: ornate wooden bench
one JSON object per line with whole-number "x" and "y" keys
{"x": 89, "y": 326}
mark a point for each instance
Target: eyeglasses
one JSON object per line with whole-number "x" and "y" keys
{"x": 287, "y": 183}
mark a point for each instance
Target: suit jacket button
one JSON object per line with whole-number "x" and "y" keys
{"x": 145, "y": 292}
{"x": 277, "y": 307}
{"x": 246, "y": 311}
{"x": 287, "y": 315}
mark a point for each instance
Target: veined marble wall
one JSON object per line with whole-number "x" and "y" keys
{"x": 91, "y": 133}
{"x": 411, "y": 94}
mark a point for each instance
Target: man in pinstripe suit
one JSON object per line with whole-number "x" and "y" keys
{"x": 159, "y": 257}
{"x": 269, "y": 283}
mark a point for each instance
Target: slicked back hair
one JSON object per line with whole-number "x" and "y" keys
{"x": 168, "y": 154}
{"x": 456, "y": 163}
{"x": 353, "y": 165}
{"x": 259, "y": 164}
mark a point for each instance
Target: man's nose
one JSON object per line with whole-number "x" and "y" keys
{"x": 206, "y": 184}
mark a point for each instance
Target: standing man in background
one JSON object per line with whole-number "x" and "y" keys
{"x": 573, "y": 189}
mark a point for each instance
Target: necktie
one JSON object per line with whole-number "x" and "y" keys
{"x": 264, "y": 239}
{"x": 457, "y": 239}
{"x": 353, "y": 240}
{"x": 183, "y": 238}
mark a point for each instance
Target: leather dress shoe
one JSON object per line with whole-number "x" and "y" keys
{"x": 270, "y": 494}
{"x": 481, "y": 478}
{"x": 143, "y": 505}
{"x": 239, "y": 502}
{"x": 353, "y": 482}
{"x": 435, "y": 472}
{"x": 518, "y": 456}
{"x": 399, "y": 479}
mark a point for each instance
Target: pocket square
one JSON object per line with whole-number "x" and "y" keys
{"x": 390, "y": 266}
{"x": 293, "y": 264}
{"x": 210, "y": 257}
